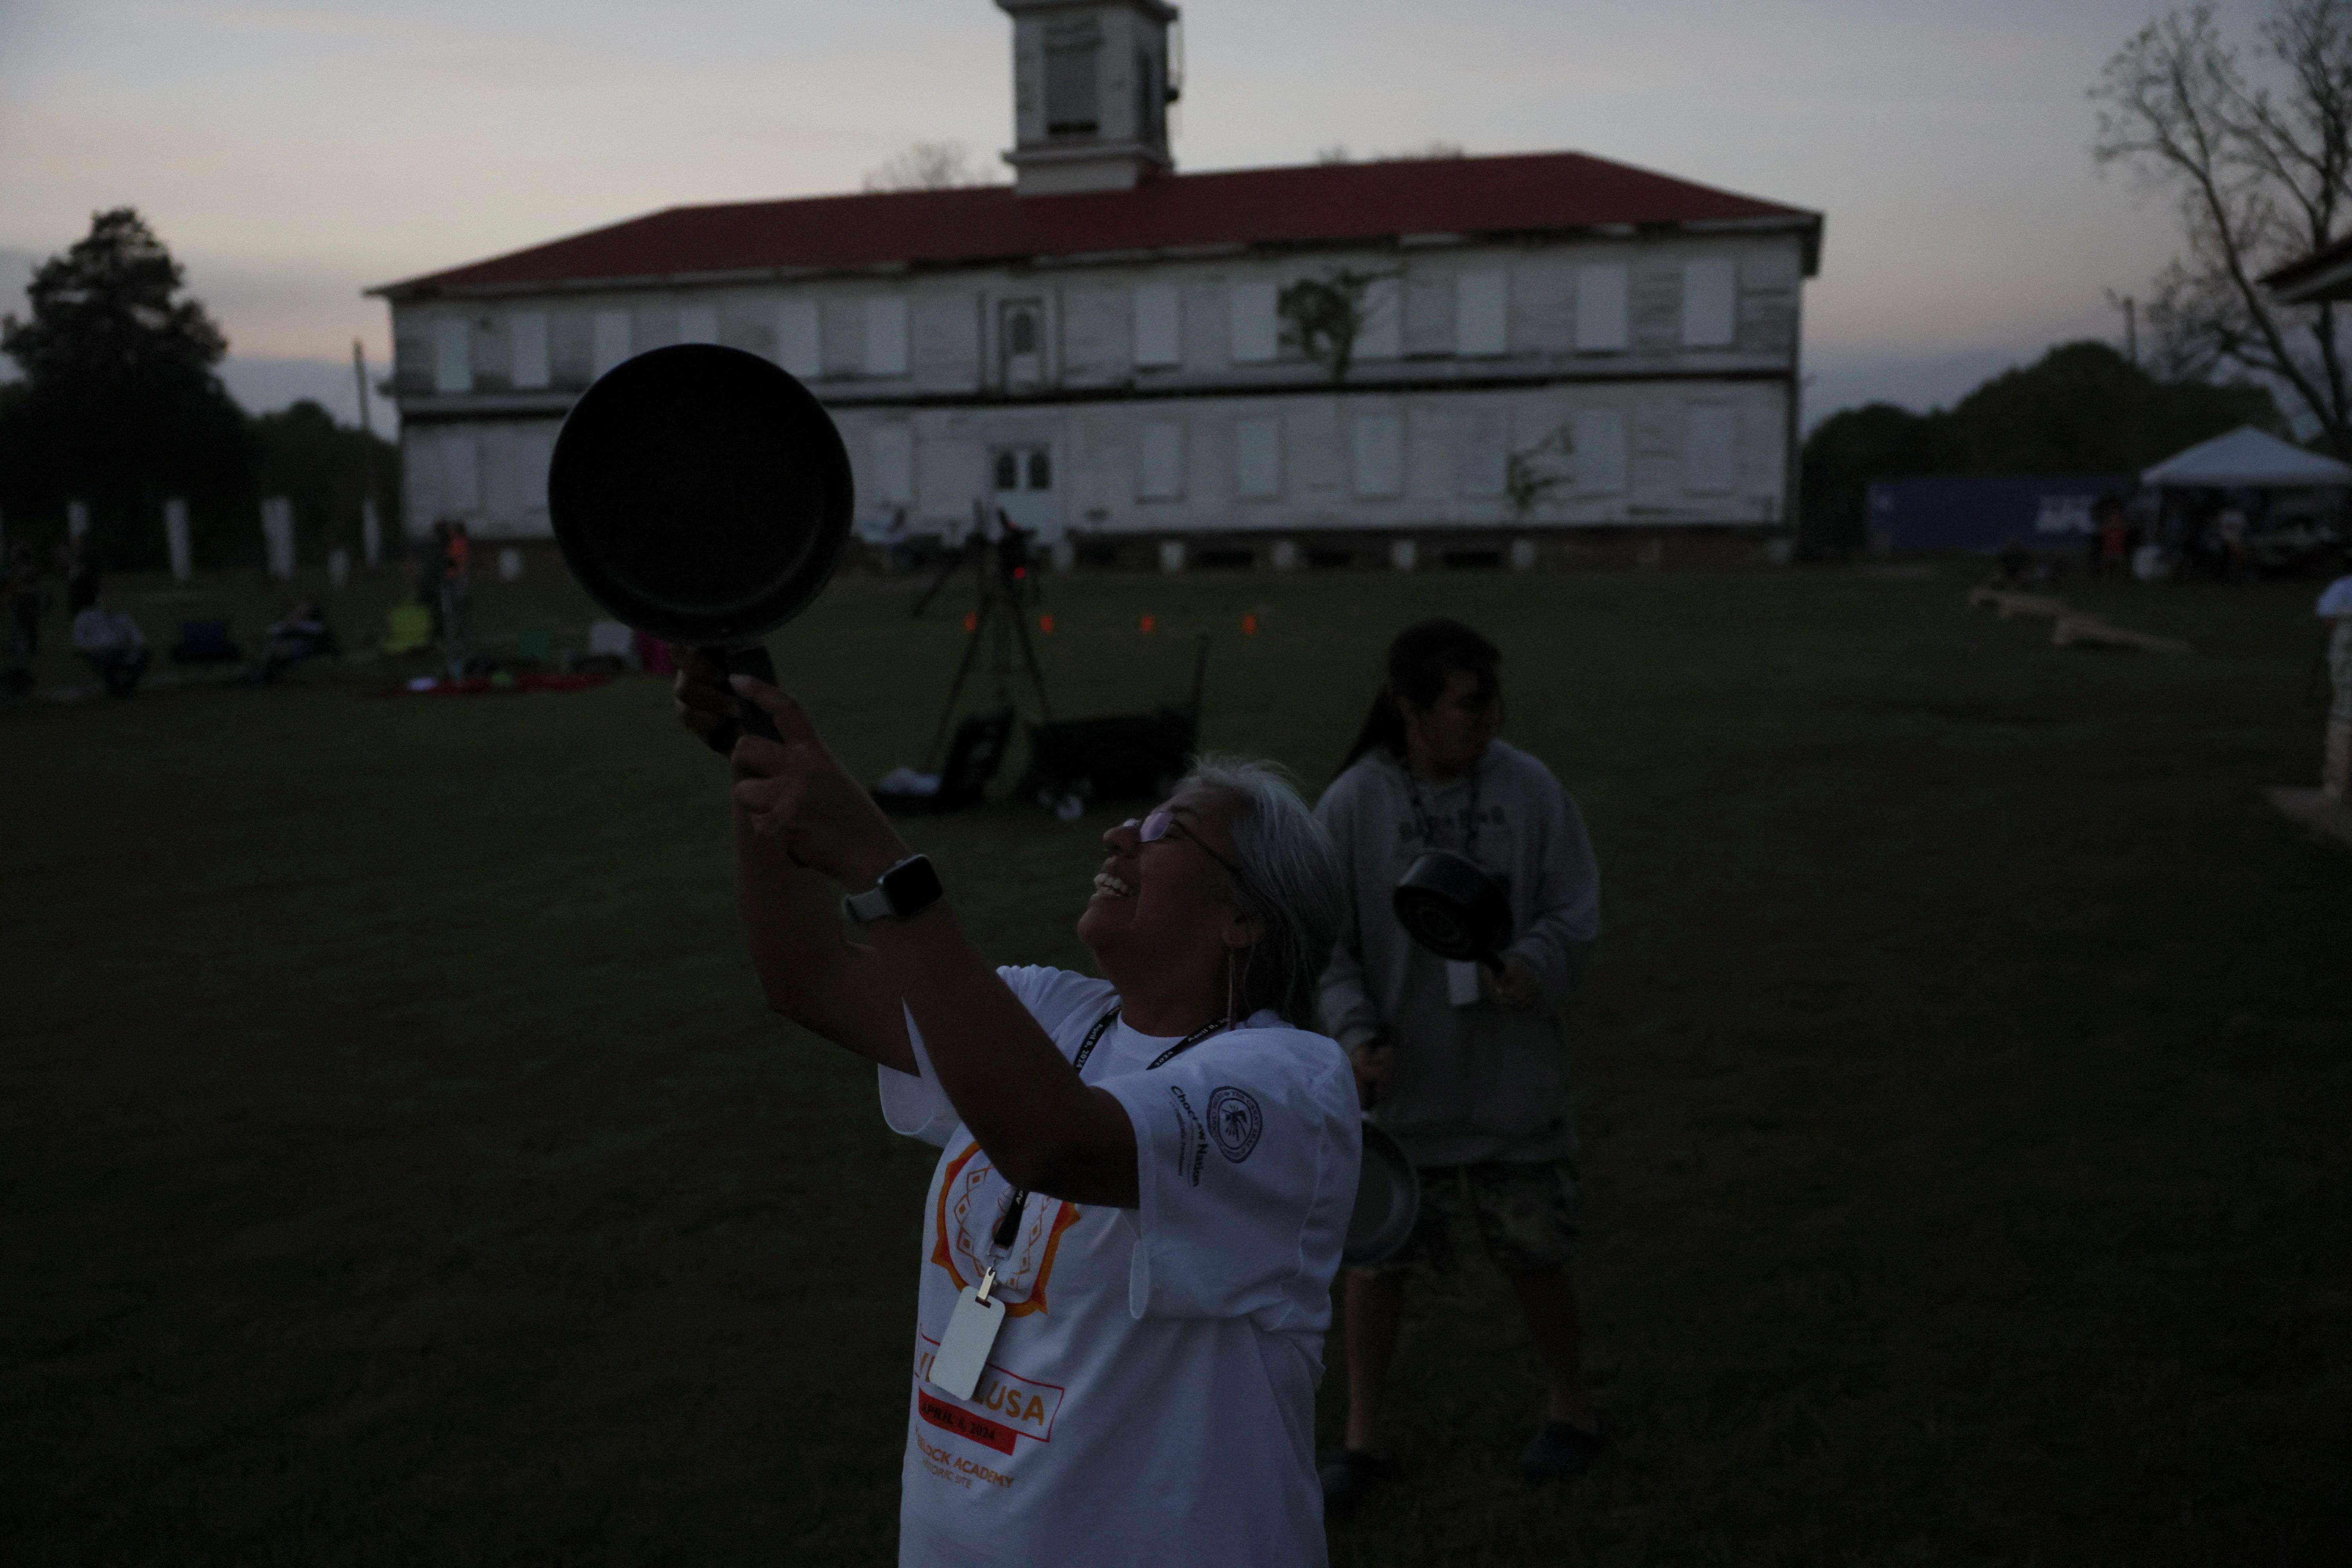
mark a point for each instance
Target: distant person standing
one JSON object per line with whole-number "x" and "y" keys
{"x": 2229, "y": 529}
{"x": 25, "y": 602}
{"x": 1464, "y": 1067}
{"x": 114, "y": 643}
{"x": 2111, "y": 533}
{"x": 432, "y": 567}
{"x": 2335, "y": 774}
{"x": 458, "y": 599}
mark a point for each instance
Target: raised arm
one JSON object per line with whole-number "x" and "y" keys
{"x": 1042, "y": 1126}
{"x": 808, "y": 969}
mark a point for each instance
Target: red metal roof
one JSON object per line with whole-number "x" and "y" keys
{"x": 1310, "y": 205}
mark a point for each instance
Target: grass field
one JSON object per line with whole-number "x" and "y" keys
{"x": 397, "y": 1165}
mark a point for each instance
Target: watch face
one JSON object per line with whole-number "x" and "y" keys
{"x": 911, "y": 886}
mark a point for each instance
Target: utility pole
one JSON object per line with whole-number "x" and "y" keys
{"x": 371, "y": 526}
{"x": 2131, "y": 329}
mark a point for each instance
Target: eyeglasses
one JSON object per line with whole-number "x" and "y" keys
{"x": 1164, "y": 821}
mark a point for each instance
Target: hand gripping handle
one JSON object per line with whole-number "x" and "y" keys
{"x": 749, "y": 717}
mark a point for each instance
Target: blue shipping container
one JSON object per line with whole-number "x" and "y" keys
{"x": 1971, "y": 512}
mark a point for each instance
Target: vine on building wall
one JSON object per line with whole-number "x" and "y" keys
{"x": 1533, "y": 472}
{"x": 1323, "y": 317}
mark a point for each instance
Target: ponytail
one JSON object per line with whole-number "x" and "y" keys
{"x": 1419, "y": 661}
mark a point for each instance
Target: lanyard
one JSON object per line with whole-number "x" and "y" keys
{"x": 1008, "y": 1227}
{"x": 1426, "y": 825}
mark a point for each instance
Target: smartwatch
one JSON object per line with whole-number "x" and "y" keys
{"x": 905, "y": 891}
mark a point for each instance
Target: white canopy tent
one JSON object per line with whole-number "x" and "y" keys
{"x": 2246, "y": 458}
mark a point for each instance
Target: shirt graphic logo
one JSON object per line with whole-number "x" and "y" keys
{"x": 1234, "y": 1121}
{"x": 973, "y": 1197}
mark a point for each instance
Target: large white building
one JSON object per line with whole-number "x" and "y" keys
{"x": 1113, "y": 352}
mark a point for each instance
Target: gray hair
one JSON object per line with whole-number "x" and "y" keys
{"x": 1293, "y": 889}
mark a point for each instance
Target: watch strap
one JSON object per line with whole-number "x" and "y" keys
{"x": 904, "y": 890}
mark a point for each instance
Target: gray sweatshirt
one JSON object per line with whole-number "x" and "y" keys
{"x": 1483, "y": 1081}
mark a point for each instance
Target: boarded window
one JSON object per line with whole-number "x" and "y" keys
{"x": 1599, "y": 435}
{"x": 1021, "y": 333}
{"x": 453, "y": 357}
{"x": 892, "y": 449}
{"x": 1710, "y": 464}
{"x": 1600, "y": 309}
{"x": 698, "y": 324}
{"x": 537, "y": 455}
{"x": 1480, "y": 313}
{"x": 1071, "y": 107}
{"x": 1379, "y": 455}
{"x": 1258, "y": 458}
{"x": 612, "y": 338}
{"x": 886, "y": 335}
{"x": 527, "y": 348}
{"x": 1380, "y": 334}
{"x": 1160, "y": 465}
{"x": 461, "y": 473}
{"x": 1710, "y": 303}
{"x": 798, "y": 348}
{"x": 1255, "y": 338}
{"x": 1482, "y": 454}
{"x": 1156, "y": 326}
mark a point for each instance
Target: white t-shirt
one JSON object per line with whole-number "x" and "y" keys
{"x": 1151, "y": 1396}
{"x": 2336, "y": 599}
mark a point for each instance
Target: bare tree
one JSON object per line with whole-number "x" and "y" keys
{"x": 2257, "y": 151}
{"x": 928, "y": 166}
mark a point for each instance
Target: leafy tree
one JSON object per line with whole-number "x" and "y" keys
{"x": 2258, "y": 152}
{"x": 2081, "y": 408}
{"x": 119, "y": 404}
{"x": 1851, "y": 449}
{"x": 324, "y": 467}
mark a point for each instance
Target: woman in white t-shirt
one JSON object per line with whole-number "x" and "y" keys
{"x": 1144, "y": 1179}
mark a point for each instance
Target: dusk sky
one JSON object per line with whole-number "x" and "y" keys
{"x": 292, "y": 154}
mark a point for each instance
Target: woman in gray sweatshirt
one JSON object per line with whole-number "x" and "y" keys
{"x": 1463, "y": 1066}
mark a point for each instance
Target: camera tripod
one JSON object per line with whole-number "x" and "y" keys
{"x": 1008, "y": 585}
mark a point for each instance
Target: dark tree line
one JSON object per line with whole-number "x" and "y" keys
{"x": 121, "y": 406}
{"x": 2081, "y": 408}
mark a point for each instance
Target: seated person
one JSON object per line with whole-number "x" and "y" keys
{"x": 114, "y": 643}
{"x": 300, "y": 632}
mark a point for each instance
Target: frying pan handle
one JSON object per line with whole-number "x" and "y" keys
{"x": 749, "y": 717}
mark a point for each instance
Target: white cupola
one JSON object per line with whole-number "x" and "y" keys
{"x": 1092, "y": 80}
